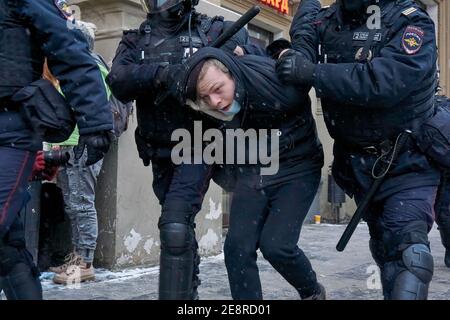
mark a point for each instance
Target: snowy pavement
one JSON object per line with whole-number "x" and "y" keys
{"x": 349, "y": 275}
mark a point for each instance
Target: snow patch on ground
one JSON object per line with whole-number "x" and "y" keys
{"x": 208, "y": 241}
{"x": 102, "y": 275}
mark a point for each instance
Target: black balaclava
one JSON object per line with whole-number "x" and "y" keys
{"x": 168, "y": 16}
{"x": 354, "y": 9}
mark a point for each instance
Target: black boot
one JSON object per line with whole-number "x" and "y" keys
{"x": 176, "y": 262}
{"x": 320, "y": 293}
{"x": 447, "y": 258}
{"x": 195, "y": 279}
{"x": 21, "y": 283}
{"x": 445, "y": 238}
{"x": 19, "y": 277}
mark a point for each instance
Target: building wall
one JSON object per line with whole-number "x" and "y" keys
{"x": 269, "y": 19}
{"x": 444, "y": 44}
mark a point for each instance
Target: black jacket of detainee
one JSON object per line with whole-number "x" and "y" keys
{"x": 268, "y": 104}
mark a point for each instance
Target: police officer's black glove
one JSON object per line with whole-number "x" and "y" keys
{"x": 170, "y": 78}
{"x": 294, "y": 68}
{"x": 145, "y": 150}
{"x": 97, "y": 145}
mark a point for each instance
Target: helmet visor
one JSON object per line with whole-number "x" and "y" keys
{"x": 155, "y": 6}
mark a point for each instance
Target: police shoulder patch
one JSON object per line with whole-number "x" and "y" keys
{"x": 63, "y": 7}
{"x": 412, "y": 39}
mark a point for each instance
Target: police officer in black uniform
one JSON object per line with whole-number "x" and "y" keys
{"x": 29, "y": 32}
{"x": 376, "y": 79}
{"x": 148, "y": 68}
{"x": 442, "y": 206}
{"x": 442, "y": 209}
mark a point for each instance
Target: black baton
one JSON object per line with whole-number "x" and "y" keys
{"x": 236, "y": 26}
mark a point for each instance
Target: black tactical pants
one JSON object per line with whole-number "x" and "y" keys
{"x": 19, "y": 278}
{"x": 442, "y": 209}
{"x": 269, "y": 219}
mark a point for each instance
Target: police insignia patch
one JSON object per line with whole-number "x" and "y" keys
{"x": 64, "y": 8}
{"x": 412, "y": 39}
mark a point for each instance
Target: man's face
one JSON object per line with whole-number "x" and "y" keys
{"x": 216, "y": 89}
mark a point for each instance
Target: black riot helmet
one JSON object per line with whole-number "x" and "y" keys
{"x": 355, "y": 7}
{"x": 158, "y": 6}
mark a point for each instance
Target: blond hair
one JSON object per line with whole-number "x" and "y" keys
{"x": 212, "y": 63}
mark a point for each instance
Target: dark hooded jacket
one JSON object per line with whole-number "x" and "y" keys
{"x": 268, "y": 104}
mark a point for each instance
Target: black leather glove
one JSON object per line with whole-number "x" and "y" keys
{"x": 97, "y": 145}
{"x": 145, "y": 150}
{"x": 294, "y": 68}
{"x": 170, "y": 78}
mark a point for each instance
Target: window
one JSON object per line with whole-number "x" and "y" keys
{"x": 259, "y": 36}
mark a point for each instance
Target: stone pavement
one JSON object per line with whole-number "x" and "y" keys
{"x": 349, "y": 275}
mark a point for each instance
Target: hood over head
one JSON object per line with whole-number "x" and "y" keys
{"x": 256, "y": 82}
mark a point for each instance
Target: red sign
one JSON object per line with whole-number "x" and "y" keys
{"x": 280, "y": 5}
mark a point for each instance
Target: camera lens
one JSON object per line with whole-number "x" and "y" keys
{"x": 56, "y": 157}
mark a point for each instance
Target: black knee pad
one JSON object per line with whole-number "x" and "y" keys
{"x": 176, "y": 238}
{"x": 418, "y": 260}
{"x": 409, "y": 264}
{"x": 414, "y": 275}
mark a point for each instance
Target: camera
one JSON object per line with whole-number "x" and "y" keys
{"x": 55, "y": 158}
